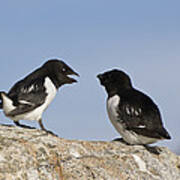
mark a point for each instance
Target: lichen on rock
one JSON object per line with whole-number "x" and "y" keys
{"x": 31, "y": 154}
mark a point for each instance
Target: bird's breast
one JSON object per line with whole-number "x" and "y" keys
{"x": 112, "y": 107}
{"x": 50, "y": 90}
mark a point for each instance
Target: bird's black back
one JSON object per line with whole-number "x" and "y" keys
{"x": 20, "y": 89}
{"x": 142, "y": 112}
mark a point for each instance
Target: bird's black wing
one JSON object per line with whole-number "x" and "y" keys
{"x": 140, "y": 114}
{"x": 27, "y": 95}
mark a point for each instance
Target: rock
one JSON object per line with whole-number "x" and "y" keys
{"x": 31, "y": 154}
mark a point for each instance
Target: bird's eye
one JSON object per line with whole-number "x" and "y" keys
{"x": 63, "y": 69}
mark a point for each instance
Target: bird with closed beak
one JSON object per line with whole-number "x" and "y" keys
{"x": 134, "y": 115}
{"x": 29, "y": 97}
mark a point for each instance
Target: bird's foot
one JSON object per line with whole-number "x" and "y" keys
{"x": 153, "y": 150}
{"x": 23, "y": 126}
{"x": 44, "y": 129}
{"x": 120, "y": 140}
{"x": 50, "y": 132}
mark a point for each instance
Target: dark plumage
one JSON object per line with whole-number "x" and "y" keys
{"x": 29, "y": 97}
{"x": 135, "y": 116}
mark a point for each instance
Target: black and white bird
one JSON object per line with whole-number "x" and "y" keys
{"x": 29, "y": 97}
{"x": 134, "y": 115}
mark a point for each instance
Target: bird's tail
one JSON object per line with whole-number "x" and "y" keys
{"x": 164, "y": 133}
{"x": 1, "y": 106}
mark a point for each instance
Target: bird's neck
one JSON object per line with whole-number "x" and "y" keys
{"x": 55, "y": 82}
{"x": 113, "y": 91}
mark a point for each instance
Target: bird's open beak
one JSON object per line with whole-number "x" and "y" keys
{"x": 69, "y": 76}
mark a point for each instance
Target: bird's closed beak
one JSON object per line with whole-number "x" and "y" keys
{"x": 99, "y": 76}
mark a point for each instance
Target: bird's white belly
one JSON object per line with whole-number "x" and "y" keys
{"x": 32, "y": 115}
{"x": 35, "y": 114}
{"x": 112, "y": 105}
{"x": 129, "y": 136}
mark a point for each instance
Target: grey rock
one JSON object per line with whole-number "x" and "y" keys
{"x": 31, "y": 154}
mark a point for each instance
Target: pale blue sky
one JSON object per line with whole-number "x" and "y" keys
{"x": 139, "y": 37}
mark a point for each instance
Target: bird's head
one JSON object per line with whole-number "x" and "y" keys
{"x": 114, "y": 80}
{"x": 59, "y": 72}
